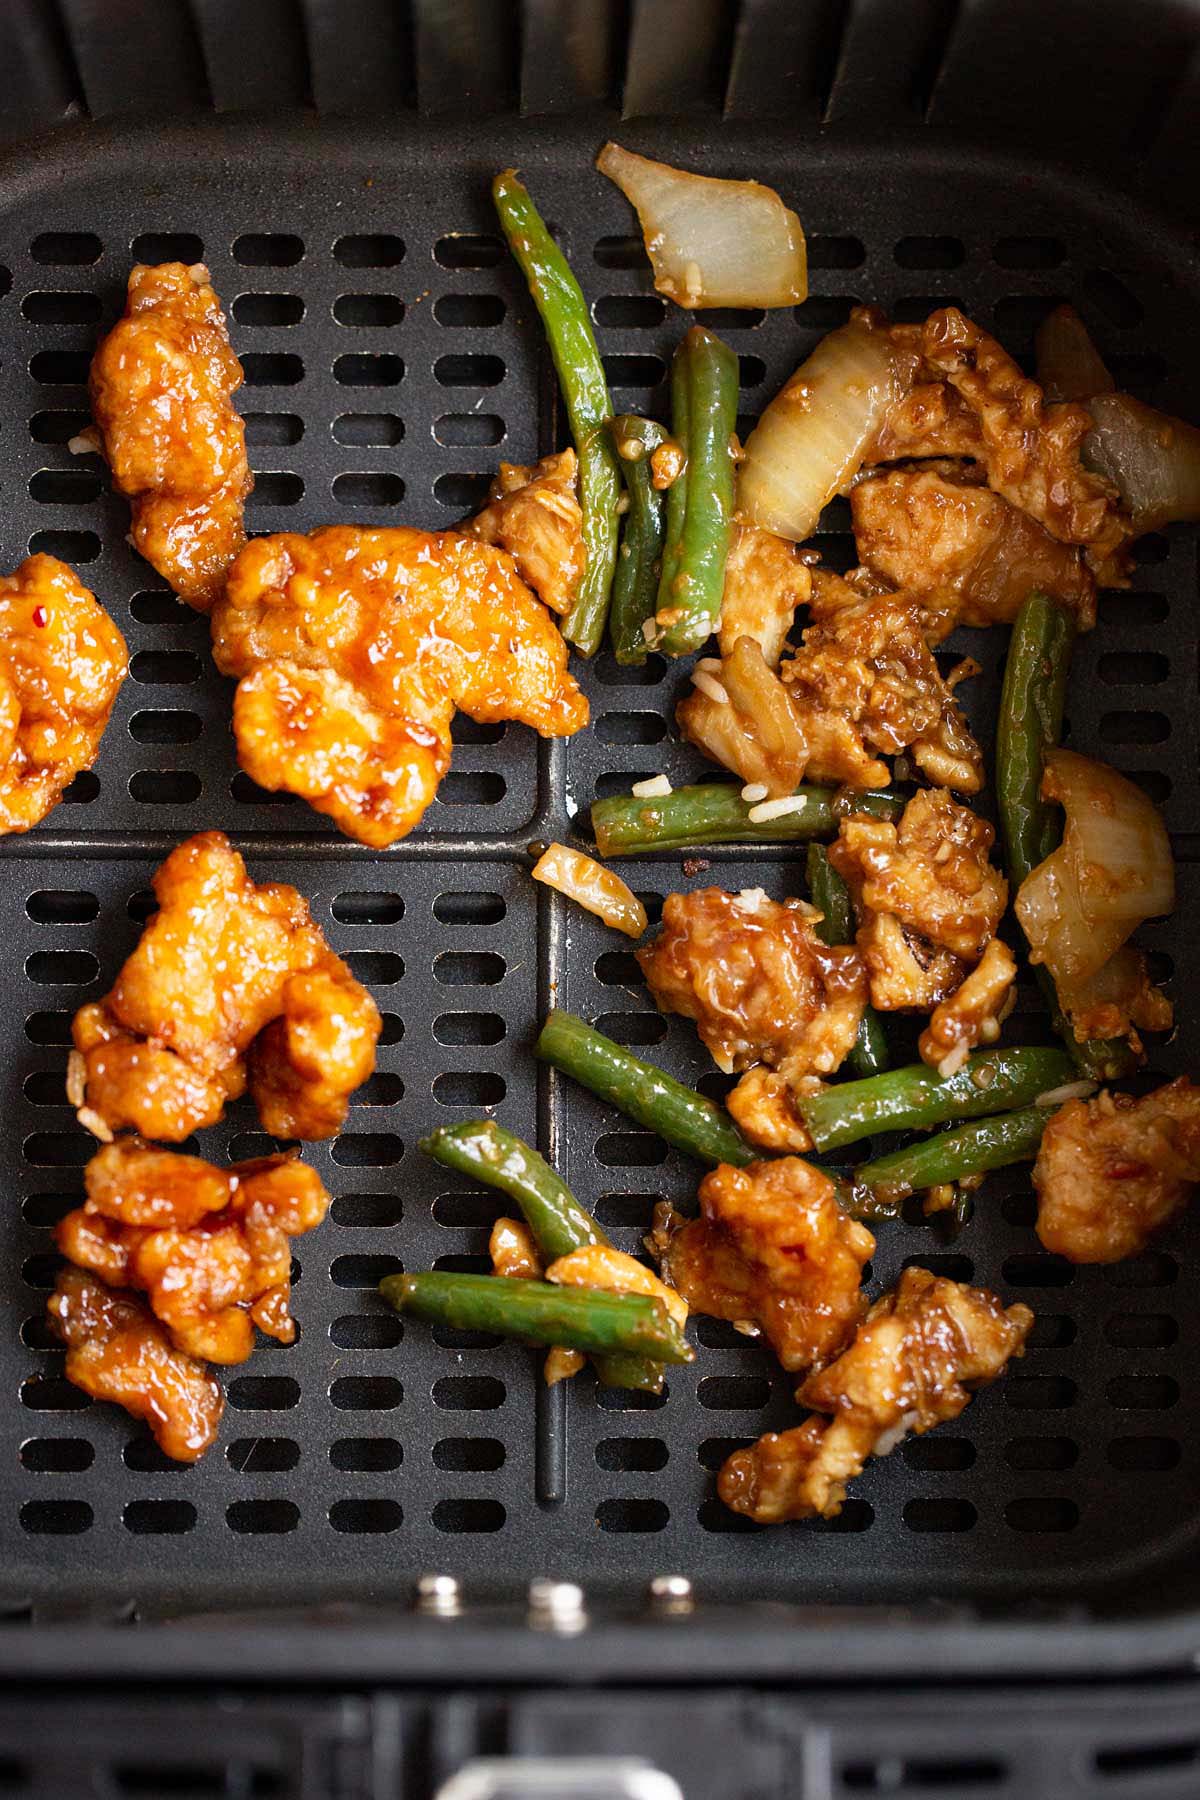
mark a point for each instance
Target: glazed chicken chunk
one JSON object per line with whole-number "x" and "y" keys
{"x": 922, "y": 1351}
{"x": 960, "y": 549}
{"x": 1029, "y": 446}
{"x": 763, "y": 989}
{"x": 210, "y": 1248}
{"x": 929, "y": 899}
{"x": 1113, "y": 1169}
{"x": 352, "y": 650}
{"x": 117, "y": 1350}
{"x": 162, "y": 383}
{"x": 974, "y": 1012}
{"x": 535, "y": 515}
{"x": 232, "y": 984}
{"x": 863, "y": 685}
{"x": 62, "y": 662}
{"x": 773, "y": 1250}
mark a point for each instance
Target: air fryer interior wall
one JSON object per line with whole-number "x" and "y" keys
{"x": 392, "y": 356}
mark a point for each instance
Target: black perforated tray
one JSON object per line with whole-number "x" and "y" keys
{"x": 392, "y": 356}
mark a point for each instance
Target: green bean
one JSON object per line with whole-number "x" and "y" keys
{"x": 677, "y": 493}
{"x": 690, "y": 591}
{"x": 677, "y": 1113}
{"x": 481, "y": 1148}
{"x": 1031, "y": 715}
{"x": 541, "y": 1313}
{"x": 916, "y": 1098}
{"x": 564, "y": 313}
{"x": 484, "y": 1150}
{"x": 635, "y": 585}
{"x": 968, "y": 1150}
{"x": 828, "y": 891}
{"x": 715, "y": 813}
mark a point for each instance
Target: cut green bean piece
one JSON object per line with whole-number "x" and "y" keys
{"x": 689, "y": 596}
{"x": 917, "y": 1098}
{"x": 715, "y": 813}
{"x": 564, "y": 313}
{"x": 677, "y": 1113}
{"x": 677, "y": 493}
{"x": 829, "y": 892}
{"x": 484, "y": 1150}
{"x": 539, "y": 1312}
{"x": 972, "y": 1149}
{"x": 1031, "y": 715}
{"x": 639, "y": 562}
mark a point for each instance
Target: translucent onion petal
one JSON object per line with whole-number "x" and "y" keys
{"x": 586, "y": 881}
{"x": 810, "y": 442}
{"x": 1069, "y": 366}
{"x": 1152, "y": 459}
{"x": 712, "y": 243}
{"x": 1112, "y": 870}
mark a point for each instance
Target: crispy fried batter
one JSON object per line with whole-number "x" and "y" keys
{"x": 914, "y": 1363}
{"x": 974, "y": 1012}
{"x": 1031, "y": 448}
{"x": 513, "y": 1250}
{"x": 865, "y": 676}
{"x": 535, "y": 515}
{"x": 757, "y": 980}
{"x": 1112, "y": 1170}
{"x": 763, "y": 1106}
{"x": 765, "y": 582}
{"x": 116, "y": 1350}
{"x": 208, "y": 1247}
{"x": 965, "y": 553}
{"x": 62, "y": 662}
{"x": 863, "y": 684}
{"x": 772, "y": 1248}
{"x": 231, "y": 982}
{"x": 929, "y": 419}
{"x": 161, "y": 387}
{"x": 928, "y": 898}
{"x": 1119, "y": 1000}
{"x": 354, "y": 647}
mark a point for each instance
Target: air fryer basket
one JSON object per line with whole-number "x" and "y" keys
{"x": 392, "y": 356}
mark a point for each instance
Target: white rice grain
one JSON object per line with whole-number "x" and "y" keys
{"x": 952, "y": 1062}
{"x": 84, "y": 442}
{"x": 76, "y": 1079}
{"x": 652, "y": 788}
{"x": 91, "y": 1121}
{"x": 766, "y": 810}
{"x": 1070, "y": 1090}
{"x": 754, "y": 791}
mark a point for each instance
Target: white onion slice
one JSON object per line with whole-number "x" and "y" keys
{"x": 810, "y": 442}
{"x": 1112, "y": 870}
{"x": 712, "y": 243}
{"x": 1153, "y": 459}
{"x": 592, "y": 886}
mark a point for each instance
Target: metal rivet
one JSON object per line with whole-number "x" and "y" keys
{"x": 556, "y": 1606}
{"x": 671, "y": 1594}
{"x": 438, "y": 1595}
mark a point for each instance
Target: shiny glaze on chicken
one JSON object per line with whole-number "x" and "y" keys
{"x": 162, "y": 383}
{"x": 353, "y": 648}
{"x": 62, "y": 662}
{"x": 231, "y": 984}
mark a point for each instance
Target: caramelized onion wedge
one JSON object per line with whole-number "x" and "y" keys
{"x": 712, "y": 243}
{"x": 1069, "y": 366}
{"x": 594, "y": 887}
{"x": 810, "y": 442}
{"x": 1112, "y": 870}
{"x": 1152, "y": 459}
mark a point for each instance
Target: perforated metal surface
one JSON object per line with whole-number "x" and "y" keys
{"x": 363, "y": 1455}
